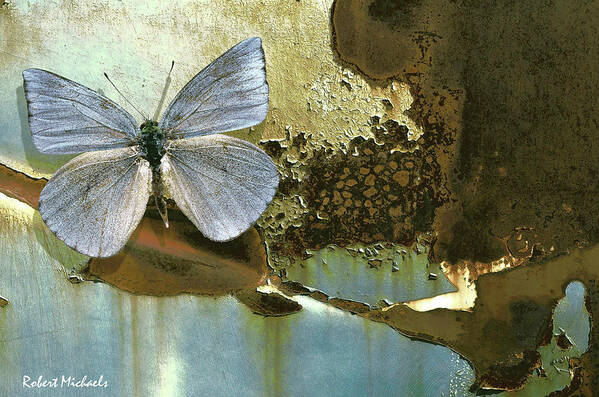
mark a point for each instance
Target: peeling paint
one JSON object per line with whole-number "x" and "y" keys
{"x": 463, "y": 276}
{"x": 336, "y": 123}
{"x": 500, "y": 336}
{"x": 478, "y": 74}
{"x": 519, "y": 187}
{"x": 369, "y": 273}
{"x": 372, "y": 190}
{"x": 571, "y": 322}
{"x": 268, "y": 301}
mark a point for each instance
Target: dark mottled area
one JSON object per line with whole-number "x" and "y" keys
{"x": 369, "y": 193}
{"x": 511, "y": 374}
{"x": 350, "y": 306}
{"x": 512, "y": 88}
{"x": 265, "y": 304}
{"x": 526, "y": 121}
{"x": 394, "y": 12}
{"x": 528, "y": 321}
{"x": 563, "y": 342}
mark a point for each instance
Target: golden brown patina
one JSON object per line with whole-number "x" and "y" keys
{"x": 161, "y": 261}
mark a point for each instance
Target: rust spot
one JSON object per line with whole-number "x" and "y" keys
{"x": 294, "y": 288}
{"x": 319, "y": 296}
{"x": 268, "y": 304}
{"x": 20, "y": 186}
{"x": 508, "y": 161}
{"x": 510, "y": 374}
{"x": 160, "y": 261}
{"x": 402, "y": 177}
{"x": 350, "y": 306}
{"x": 563, "y": 342}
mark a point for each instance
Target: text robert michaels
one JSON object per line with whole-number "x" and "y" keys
{"x": 63, "y": 382}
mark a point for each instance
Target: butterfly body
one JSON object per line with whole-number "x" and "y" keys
{"x": 152, "y": 141}
{"x": 222, "y": 184}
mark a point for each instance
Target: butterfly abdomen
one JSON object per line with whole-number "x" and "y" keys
{"x": 152, "y": 143}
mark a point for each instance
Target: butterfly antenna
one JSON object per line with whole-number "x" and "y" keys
{"x": 124, "y": 97}
{"x": 164, "y": 91}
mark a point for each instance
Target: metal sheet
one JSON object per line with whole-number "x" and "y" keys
{"x": 190, "y": 345}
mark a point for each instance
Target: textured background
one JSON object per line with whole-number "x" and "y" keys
{"x": 407, "y": 133}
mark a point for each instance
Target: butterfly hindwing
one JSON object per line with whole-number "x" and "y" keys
{"x": 229, "y": 94}
{"x": 223, "y": 184}
{"x": 66, "y": 117}
{"x": 95, "y": 201}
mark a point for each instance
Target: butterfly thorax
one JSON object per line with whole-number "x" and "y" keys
{"x": 152, "y": 143}
{"x": 152, "y": 140}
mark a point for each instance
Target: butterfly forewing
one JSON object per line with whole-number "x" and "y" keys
{"x": 66, "y": 117}
{"x": 229, "y": 94}
{"x": 95, "y": 201}
{"x": 223, "y": 184}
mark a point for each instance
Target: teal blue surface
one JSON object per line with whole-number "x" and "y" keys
{"x": 189, "y": 345}
{"x": 403, "y": 273}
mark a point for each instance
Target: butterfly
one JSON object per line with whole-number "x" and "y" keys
{"x": 96, "y": 200}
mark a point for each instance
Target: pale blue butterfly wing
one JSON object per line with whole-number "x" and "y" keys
{"x": 221, "y": 183}
{"x": 95, "y": 201}
{"x": 66, "y": 117}
{"x": 229, "y": 94}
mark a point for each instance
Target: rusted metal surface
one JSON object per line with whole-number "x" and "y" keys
{"x": 368, "y": 273}
{"x": 387, "y": 120}
{"x": 160, "y": 261}
{"x": 509, "y": 321}
{"x": 190, "y": 345}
